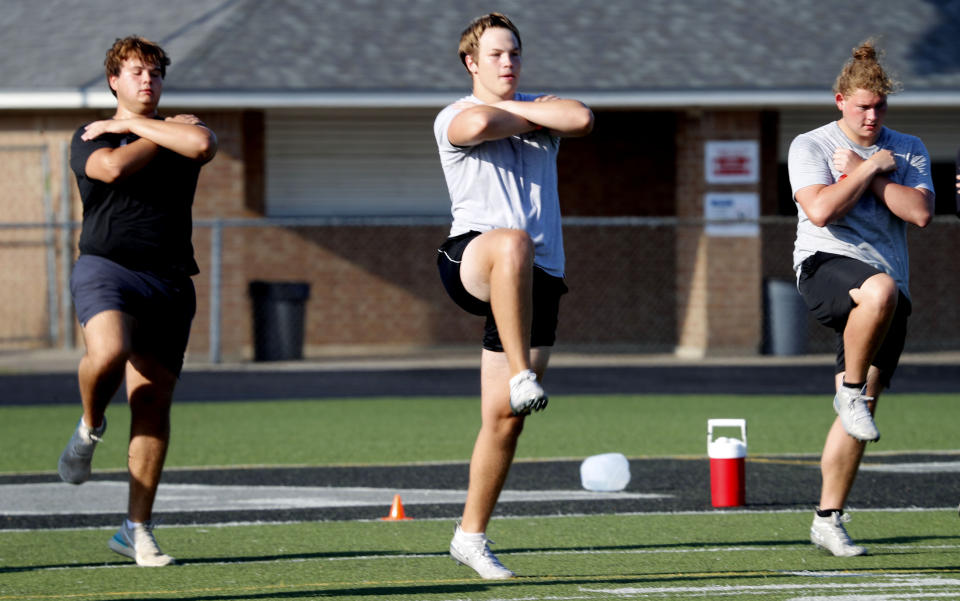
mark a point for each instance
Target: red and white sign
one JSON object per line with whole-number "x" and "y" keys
{"x": 732, "y": 162}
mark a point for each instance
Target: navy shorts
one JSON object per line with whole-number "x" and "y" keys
{"x": 547, "y": 290}
{"x": 163, "y": 306}
{"x": 825, "y": 283}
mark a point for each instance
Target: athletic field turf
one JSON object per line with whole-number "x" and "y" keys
{"x": 279, "y": 499}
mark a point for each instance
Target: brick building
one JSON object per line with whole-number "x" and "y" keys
{"x": 327, "y": 171}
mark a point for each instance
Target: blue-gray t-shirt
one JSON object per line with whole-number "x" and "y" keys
{"x": 508, "y": 183}
{"x": 870, "y": 232}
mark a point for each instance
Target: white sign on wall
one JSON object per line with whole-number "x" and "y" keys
{"x": 732, "y": 162}
{"x": 732, "y": 215}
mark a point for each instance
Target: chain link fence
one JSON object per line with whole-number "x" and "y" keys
{"x": 370, "y": 286}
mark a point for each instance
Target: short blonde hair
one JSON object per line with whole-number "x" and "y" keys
{"x": 470, "y": 38}
{"x": 863, "y": 72}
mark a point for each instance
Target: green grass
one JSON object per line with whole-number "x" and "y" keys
{"x": 397, "y": 430}
{"x": 712, "y": 555}
{"x": 764, "y": 556}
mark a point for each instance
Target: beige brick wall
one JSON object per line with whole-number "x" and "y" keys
{"x": 717, "y": 279}
{"x": 648, "y": 289}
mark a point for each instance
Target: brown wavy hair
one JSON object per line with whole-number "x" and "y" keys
{"x": 137, "y": 46}
{"x": 863, "y": 72}
{"x": 470, "y": 38}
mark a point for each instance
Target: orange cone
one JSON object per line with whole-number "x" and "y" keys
{"x": 396, "y": 511}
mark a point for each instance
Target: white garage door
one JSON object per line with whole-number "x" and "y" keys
{"x": 353, "y": 162}
{"x": 938, "y": 128}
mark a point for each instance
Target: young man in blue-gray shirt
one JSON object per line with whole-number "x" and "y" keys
{"x": 857, "y": 185}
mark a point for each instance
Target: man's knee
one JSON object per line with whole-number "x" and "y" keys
{"x": 107, "y": 357}
{"x": 149, "y": 382}
{"x": 150, "y": 405}
{"x": 508, "y": 427}
{"x": 516, "y": 245}
{"x": 107, "y": 337}
{"x": 879, "y": 293}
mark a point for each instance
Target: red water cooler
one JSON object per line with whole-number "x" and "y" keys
{"x": 727, "y": 458}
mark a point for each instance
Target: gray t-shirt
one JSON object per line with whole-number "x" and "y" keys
{"x": 509, "y": 183}
{"x": 870, "y": 232}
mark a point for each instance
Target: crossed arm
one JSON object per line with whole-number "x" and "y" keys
{"x": 183, "y": 134}
{"x": 825, "y": 204}
{"x": 484, "y": 122}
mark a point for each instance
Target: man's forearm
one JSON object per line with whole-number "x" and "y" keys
{"x": 113, "y": 164}
{"x": 483, "y": 123}
{"x": 913, "y": 205}
{"x": 563, "y": 116}
{"x": 192, "y": 141}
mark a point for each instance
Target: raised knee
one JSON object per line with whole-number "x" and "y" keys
{"x": 107, "y": 359}
{"x": 879, "y": 293}
{"x": 516, "y": 245}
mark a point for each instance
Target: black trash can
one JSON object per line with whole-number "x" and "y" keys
{"x": 278, "y": 319}
{"x": 785, "y": 323}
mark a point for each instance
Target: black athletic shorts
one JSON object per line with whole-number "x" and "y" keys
{"x": 825, "y": 283}
{"x": 547, "y": 290}
{"x": 162, "y": 306}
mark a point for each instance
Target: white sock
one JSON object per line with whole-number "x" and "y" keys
{"x": 91, "y": 428}
{"x": 474, "y": 537}
{"x": 130, "y": 525}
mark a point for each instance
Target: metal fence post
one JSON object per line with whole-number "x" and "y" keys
{"x": 66, "y": 245}
{"x": 216, "y": 259}
{"x": 50, "y": 243}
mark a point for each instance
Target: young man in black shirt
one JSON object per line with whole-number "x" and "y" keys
{"x": 131, "y": 285}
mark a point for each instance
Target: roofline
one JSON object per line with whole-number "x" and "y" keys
{"x": 692, "y": 99}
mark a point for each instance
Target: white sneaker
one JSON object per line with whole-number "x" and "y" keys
{"x": 138, "y": 544}
{"x": 476, "y": 554}
{"x": 526, "y": 394}
{"x": 851, "y": 405}
{"x": 828, "y": 533}
{"x": 74, "y": 464}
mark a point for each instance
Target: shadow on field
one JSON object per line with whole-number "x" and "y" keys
{"x": 61, "y": 566}
{"x": 385, "y": 553}
{"x": 459, "y": 590}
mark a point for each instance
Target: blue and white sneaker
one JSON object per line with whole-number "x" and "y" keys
{"x": 138, "y": 544}
{"x": 74, "y": 464}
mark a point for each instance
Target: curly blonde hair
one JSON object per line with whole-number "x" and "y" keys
{"x": 863, "y": 72}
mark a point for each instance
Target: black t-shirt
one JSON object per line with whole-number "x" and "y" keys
{"x": 144, "y": 221}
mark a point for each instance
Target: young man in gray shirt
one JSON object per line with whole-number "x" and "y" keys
{"x": 504, "y": 257}
{"x": 857, "y": 185}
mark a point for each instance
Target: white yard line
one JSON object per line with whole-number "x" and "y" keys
{"x": 110, "y": 497}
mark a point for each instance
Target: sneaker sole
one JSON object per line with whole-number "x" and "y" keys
{"x": 61, "y": 468}
{"x": 121, "y": 548}
{"x": 827, "y": 549}
{"x": 530, "y": 407}
{"x": 461, "y": 562}
{"x": 126, "y": 551}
